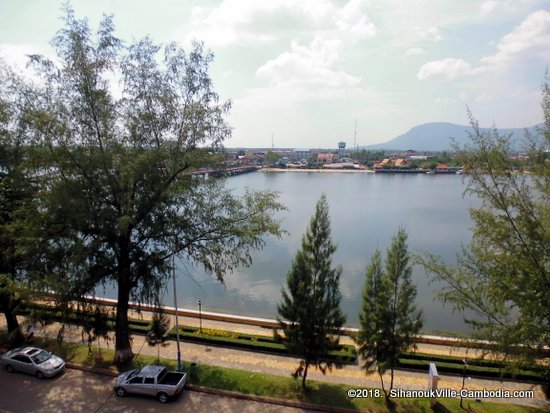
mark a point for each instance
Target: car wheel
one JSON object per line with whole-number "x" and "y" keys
{"x": 39, "y": 374}
{"x": 120, "y": 392}
{"x": 9, "y": 368}
{"x": 163, "y": 397}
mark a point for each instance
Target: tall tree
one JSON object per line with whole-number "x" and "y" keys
{"x": 121, "y": 195}
{"x": 389, "y": 320}
{"x": 310, "y": 312}
{"x": 503, "y": 275}
{"x": 17, "y": 203}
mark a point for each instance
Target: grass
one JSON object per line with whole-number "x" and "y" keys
{"x": 346, "y": 353}
{"x": 279, "y": 387}
{"x": 456, "y": 366}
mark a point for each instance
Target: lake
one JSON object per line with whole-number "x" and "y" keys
{"x": 366, "y": 209}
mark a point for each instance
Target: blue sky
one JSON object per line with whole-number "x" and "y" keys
{"x": 306, "y": 71}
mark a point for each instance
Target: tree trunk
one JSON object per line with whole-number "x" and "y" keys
{"x": 391, "y": 382}
{"x": 11, "y": 319}
{"x": 123, "y": 347}
{"x": 304, "y": 376}
{"x": 383, "y": 388}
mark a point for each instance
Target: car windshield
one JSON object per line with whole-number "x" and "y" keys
{"x": 133, "y": 373}
{"x": 41, "y": 357}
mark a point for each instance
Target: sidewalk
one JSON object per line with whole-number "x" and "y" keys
{"x": 351, "y": 375}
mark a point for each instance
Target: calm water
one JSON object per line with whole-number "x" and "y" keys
{"x": 366, "y": 210}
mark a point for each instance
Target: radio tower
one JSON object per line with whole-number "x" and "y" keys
{"x": 355, "y": 137}
{"x": 272, "y": 144}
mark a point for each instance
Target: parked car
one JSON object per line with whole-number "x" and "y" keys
{"x": 151, "y": 380}
{"x": 32, "y": 360}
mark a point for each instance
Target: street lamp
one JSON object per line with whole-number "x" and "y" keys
{"x": 463, "y": 380}
{"x": 176, "y": 308}
{"x": 200, "y": 317}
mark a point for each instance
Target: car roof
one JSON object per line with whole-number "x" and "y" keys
{"x": 151, "y": 371}
{"x": 30, "y": 350}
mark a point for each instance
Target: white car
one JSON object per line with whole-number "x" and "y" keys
{"x": 32, "y": 360}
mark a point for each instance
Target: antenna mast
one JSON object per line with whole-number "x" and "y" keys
{"x": 355, "y": 137}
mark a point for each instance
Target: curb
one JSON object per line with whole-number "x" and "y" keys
{"x": 271, "y": 400}
{"x": 95, "y": 370}
{"x": 227, "y": 393}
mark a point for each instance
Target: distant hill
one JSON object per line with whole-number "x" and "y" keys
{"x": 437, "y": 136}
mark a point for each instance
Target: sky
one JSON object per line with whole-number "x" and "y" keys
{"x": 303, "y": 73}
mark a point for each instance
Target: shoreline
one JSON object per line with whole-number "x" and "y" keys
{"x": 268, "y": 323}
{"x": 369, "y": 171}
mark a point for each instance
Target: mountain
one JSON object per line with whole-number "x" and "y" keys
{"x": 437, "y": 136}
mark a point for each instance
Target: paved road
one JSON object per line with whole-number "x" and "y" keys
{"x": 351, "y": 375}
{"x": 76, "y": 391}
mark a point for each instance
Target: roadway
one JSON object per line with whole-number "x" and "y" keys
{"x": 77, "y": 391}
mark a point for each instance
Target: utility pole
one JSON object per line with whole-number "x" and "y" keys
{"x": 176, "y": 308}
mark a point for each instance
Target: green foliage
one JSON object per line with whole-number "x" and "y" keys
{"x": 121, "y": 198}
{"x": 158, "y": 331}
{"x": 275, "y": 345}
{"x": 368, "y": 157}
{"x": 18, "y": 190}
{"x": 310, "y": 308}
{"x": 388, "y": 319}
{"x": 271, "y": 158}
{"x": 328, "y": 395}
{"x": 503, "y": 275}
{"x": 96, "y": 326}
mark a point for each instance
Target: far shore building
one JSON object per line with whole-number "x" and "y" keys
{"x": 300, "y": 154}
{"x": 388, "y": 163}
{"x": 324, "y": 158}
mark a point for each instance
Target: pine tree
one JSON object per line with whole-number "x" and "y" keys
{"x": 503, "y": 275}
{"x": 158, "y": 331}
{"x": 389, "y": 320}
{"x": 310, "y": 312}
{"x": 96, "y": 327}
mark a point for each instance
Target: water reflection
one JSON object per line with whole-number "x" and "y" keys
{"x": 366, "y": 210}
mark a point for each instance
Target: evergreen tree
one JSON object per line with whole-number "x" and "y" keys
{"x": 158, "y": 331}
{"x": 18, "y": 206}
{"x": 310, "y": 312}
{"x": 96, "y": 327}
{"x": 388, "y": 319}
{"x": 121, "y": 197}
{"x": 503, "y": 275}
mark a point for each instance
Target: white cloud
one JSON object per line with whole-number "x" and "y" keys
{"x": 414, "y": 51}
{"x": 312, "y": 65}
{"x": 248, "y": 22}
{"x": 228, "y": 24}
{"x": 463, "y": 96}
{"x": 352, "y": 19}
{"x": 444, "y": 101}
{"x": 448, "y": 69}
{"x": 503, "y": 6}
{"x": 530, "y": 40}
{"x": 484, "y": 97}
{"x": 432, "y": 33}
{"x": 16, "y": 56}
